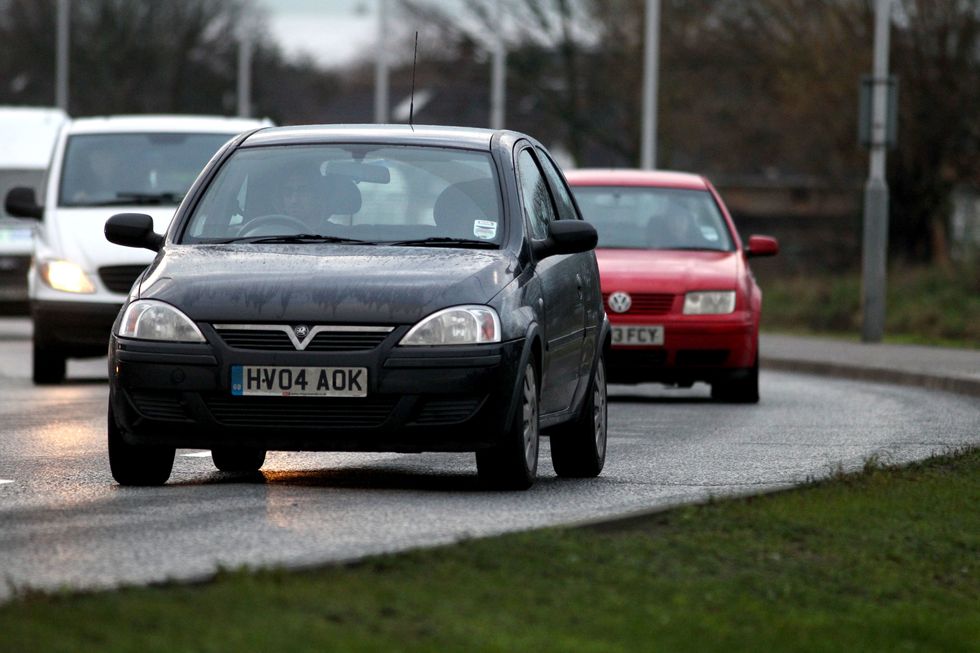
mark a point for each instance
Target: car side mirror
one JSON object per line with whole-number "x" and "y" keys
{"x": 21, "y": 202}
{"x": 567, "y": 237}
{"x": 133, "y": 230}
{"x": 762, "y": 246}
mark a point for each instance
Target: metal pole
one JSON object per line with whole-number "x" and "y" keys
{"x": 651, "y": 54}
{"x": 381, "y": 66}
{"x": 61, "y": 56}
{"x": 875, "y": 245}
{"x": 498, "y": 84}
{"x": 245, "y": 74}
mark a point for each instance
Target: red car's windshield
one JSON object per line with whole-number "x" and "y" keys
{"x": 630, "y": 217}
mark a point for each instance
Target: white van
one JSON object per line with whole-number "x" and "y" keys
{"x": 103, "y": 166}
{"x": 27, "y": 137}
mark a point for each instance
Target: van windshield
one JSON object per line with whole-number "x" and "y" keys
{"x": 133, "y": 169}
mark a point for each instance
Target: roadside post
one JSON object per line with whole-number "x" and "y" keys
{"x": 498, "y": 82}
{"x": 875, "y": 241}
{"x": 651, "y": 54}
{"x": 381, "y": 66}
{"x": 61, "y": 56}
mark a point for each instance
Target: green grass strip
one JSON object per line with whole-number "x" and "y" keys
{"x": 884, "y": 560}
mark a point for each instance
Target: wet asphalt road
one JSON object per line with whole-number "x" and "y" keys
{"x": 64, "y": 523}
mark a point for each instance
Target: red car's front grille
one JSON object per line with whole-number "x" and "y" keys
{"x": 645, "y": 303}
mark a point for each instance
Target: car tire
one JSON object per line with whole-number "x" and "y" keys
{"x": 47, "y": 365}
{"x": 513, "y": 464}
{"x": 578, "y": 449}
{"x": 742, "y": 391}
{"x": 238, "y": 459}
{"x": 137, "y": 464}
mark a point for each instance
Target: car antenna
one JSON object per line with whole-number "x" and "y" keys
{"x": 411, "y": 106}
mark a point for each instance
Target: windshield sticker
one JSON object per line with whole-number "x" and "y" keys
{"x": 485, "y": 229}
{"x": 709, "y": 233}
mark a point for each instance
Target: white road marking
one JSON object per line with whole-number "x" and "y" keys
{"x": 3, "y": 481}
{"x": 197, "y": 454}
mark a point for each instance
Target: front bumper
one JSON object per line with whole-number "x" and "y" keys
{"x": 75, "y": 328}
{"x": 694, "y": 349}
{"x": 13, "y": 277}
{"x": 418, "y": 399}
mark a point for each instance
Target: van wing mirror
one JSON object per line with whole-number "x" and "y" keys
{"x": 21, "y": 202}
{"x": 133, "y": 230}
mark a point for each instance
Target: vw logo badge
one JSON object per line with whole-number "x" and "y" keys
{"x": 620, "y": 302}
{"x": 301, "y": 331}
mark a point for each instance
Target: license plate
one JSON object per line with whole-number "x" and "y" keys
{"x": 270, "y": 381}
{"x": 647, "y": 336}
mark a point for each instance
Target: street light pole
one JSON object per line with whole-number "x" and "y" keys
{"x": 61, "y": 56}
{"x": 245, "y": 74}
{"x": 381, "y": 66}
{"x": 498, "y": 84}
{"x": 875, "y": 244}
{"x": 651, "y": 54}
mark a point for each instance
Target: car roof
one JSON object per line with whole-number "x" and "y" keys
{"x": 27, "y": 136}
{"x": 633, "y": 177}
{"x": 164, "y": 123}
{"x": 464, "y": 137}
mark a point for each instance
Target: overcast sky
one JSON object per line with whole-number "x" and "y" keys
{"x": 333, "y": 32}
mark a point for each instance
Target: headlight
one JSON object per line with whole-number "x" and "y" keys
{"x": 151, "y": 320}
{"x": 460, "y": 325}
{"x": 66, "y": 276}
{"x": 709, "y": 303}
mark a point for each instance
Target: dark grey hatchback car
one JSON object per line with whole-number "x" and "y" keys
{"x": 364, "y": 288}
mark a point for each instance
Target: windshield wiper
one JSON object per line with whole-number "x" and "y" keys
{"x": 136, "y": 197}
{"x": 443, "y": 241}
{"x": 295, "y": 238}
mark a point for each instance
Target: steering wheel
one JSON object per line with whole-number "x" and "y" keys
{"x": 254, "y": 227}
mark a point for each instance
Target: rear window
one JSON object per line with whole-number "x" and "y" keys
{"x": 654, "y": 218}
{"x": 134, "y": 169}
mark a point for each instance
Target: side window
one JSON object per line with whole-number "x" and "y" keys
{"x": 563, "y": 197}
{"x": 534, "y": 195}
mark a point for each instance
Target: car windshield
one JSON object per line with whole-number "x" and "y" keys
{"x": 629, "y": 217}
{"x": 379, "y": 194}
{"x": 134, "y": 169}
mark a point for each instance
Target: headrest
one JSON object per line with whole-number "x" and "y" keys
{"x": 341, "y": 195}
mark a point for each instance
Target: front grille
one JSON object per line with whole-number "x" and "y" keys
{"x": 446, "y": 411}
{"x": 259, "y": 340}
{"x": 120, "y": 278}
{"x": 346, "y": 340}
{"x": 646, "y": 303}
{"x": 301, "y": 412}
{"x": 159, "y": 405}
{"x": 701, "y": 357}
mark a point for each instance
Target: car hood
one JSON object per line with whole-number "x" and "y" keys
{"x": 352, "y": 284}
{"x": 79, "y": 236}
{"x": 672, "y": 271}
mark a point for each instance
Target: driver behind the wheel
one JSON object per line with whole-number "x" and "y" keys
{"x": 299, "y": 194}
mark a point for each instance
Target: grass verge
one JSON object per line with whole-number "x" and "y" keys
{"x": 931, "y": 306}
{"x": 884, "y": 560}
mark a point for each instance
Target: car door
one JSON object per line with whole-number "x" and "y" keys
{"x": 587, "y": 270}
{"x": 562, "y": 310}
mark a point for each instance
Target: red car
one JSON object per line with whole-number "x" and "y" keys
{"x": 676, "y": 282}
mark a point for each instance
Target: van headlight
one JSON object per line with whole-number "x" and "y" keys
{"x": 65, "y": 276}
{"x": 459, "y": 325}
{"x": 147, "y": 319}
{"x": 714, "y": 302}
